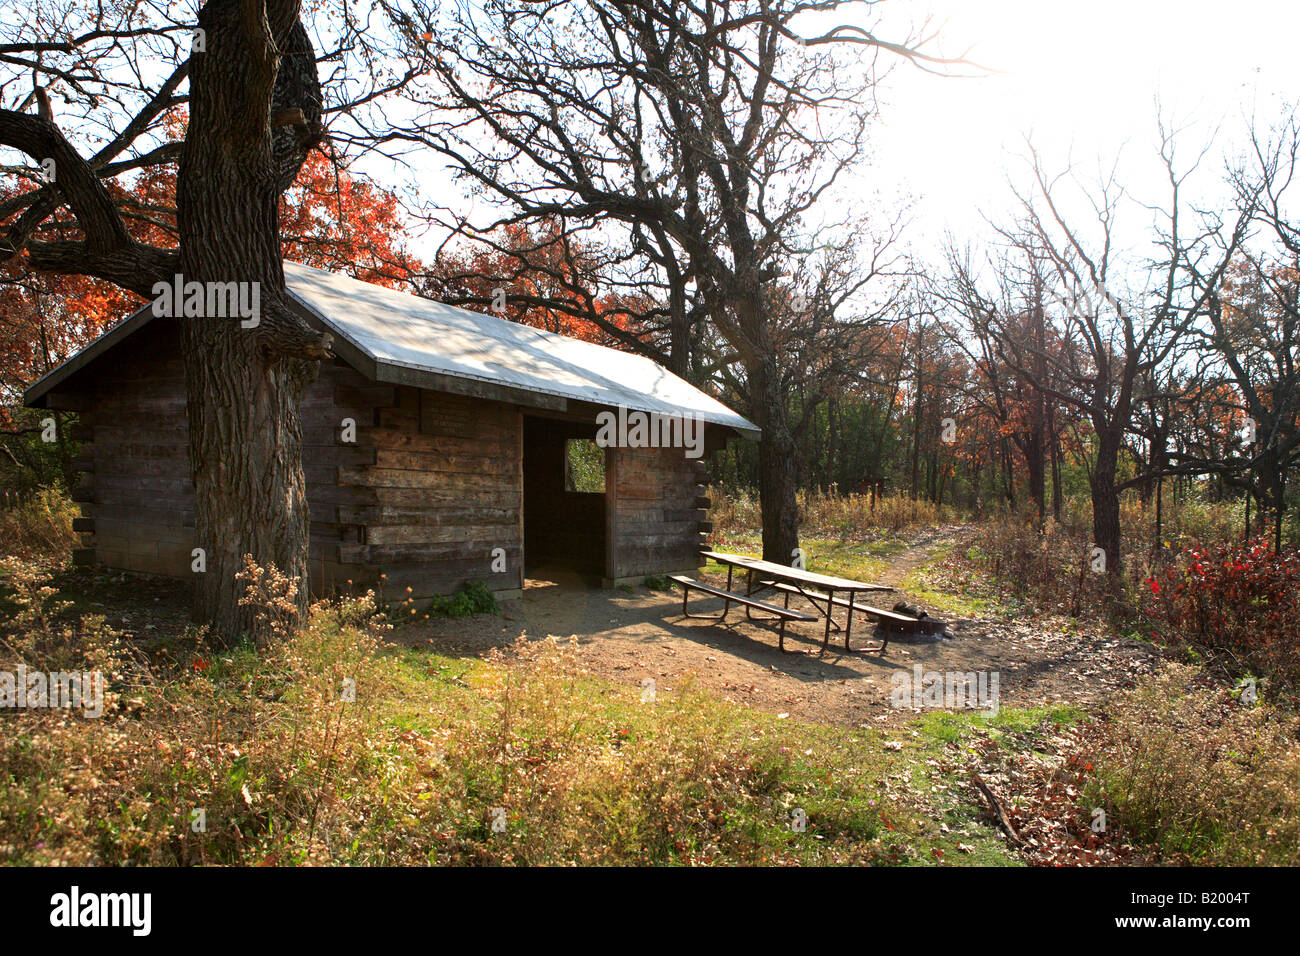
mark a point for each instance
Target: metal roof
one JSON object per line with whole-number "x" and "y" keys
{"x": 397, "y": 337}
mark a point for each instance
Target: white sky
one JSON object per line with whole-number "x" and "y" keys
{"x": 1083, "y": 77}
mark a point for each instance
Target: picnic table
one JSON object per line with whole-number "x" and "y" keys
{"x": 819, "y": 590}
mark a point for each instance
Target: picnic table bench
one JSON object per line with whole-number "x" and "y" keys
{"x": 784, "y": 614}
{"x": 766, "y": 575}
{"x": 886, "y": 619}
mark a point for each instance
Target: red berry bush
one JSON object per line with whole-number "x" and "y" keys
{"x": 1240, "y": 604}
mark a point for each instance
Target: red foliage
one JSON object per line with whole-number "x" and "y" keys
{"x": 329, "y": 219}
{"x": 1242, "y": 600}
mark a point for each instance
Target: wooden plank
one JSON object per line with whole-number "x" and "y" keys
{"x": 840, "y": 602}
{"x": 498, "y": 479}
{"x": 456, "y": 514}
{"x": 488, "y": 460}
{"x": 472, "y": 553}
{"x": 781, "y": 571}
{"x": 67, "y": 401}
{"x": 691, "y": 584}
{"x": 365, "y": 395}
{"x": 398, "y": 429}
{"x": 492, "y": 535}
{"x": 450, "y": 574}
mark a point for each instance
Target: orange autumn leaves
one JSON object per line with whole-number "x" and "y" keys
{"x": 329, "y": 218}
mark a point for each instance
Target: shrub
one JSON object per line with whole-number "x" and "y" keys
{"x": 474, "y": 597}
{"x": 39, "y": 526}
{"x": 1241, "y": 603}
{"x": 1189, "y": 768}
{"x": 733, "y": 512}
{"x": 1048, "y": 570}
{"x": 272, "y": 595}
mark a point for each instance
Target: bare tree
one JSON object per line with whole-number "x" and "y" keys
{"x": 1114, "y": 340}
{"x": 706, "y": 138}
{"x": 1254, "y": 324}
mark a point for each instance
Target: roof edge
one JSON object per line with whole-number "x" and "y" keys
{"x": 34, "y": 394}
{"x": 398, "y": 373}
{"x": 359, "y": 358}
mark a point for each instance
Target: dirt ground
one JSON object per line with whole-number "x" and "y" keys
{"x": 629, "y": 637}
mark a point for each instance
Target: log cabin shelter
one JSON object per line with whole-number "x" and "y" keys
{"x": 472, "y": 452}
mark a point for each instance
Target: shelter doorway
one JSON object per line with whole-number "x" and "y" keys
{"x": 565, "y": 498}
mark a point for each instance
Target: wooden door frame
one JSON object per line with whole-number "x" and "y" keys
{"x": 611, "y": 524}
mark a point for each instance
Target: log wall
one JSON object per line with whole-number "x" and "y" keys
{"x": 447, "y": 488}
{"x": 658, "y": 514}
{"x": 136, "y": 494}
{"x": 426, "y": 494}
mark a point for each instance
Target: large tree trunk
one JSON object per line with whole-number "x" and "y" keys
{"x": 1105, "y": 500}
{"x": 777, "y": 473}
{"x": 245, "y": 383}
{"x": 246, "y": 451}
{"x": 1036, "y": 470}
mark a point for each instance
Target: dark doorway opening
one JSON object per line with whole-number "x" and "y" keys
{"x": 564, "y": 498}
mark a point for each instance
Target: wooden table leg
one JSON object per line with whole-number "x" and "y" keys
{"x": 830, "y": 606}
{"x": 848, "y": 625}
{"x": 726, "y": 605}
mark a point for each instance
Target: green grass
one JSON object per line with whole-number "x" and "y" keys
{"x": 956, "y": 727}
{"x": 473, "y": 598}
{"x": 849, "y": 559}
{"x": 920, "y": 584}
{"x": 887, "y": 546}
{"x": 858, "y": 560}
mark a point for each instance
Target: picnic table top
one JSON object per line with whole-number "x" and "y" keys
{"x": 829, "y": 582}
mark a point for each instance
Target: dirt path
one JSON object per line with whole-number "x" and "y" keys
{"x": 629, "y": 637}
{"x": 919, "y": 552}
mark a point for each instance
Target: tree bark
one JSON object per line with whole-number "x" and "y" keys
{"x": 1105, "y": 499}
{"x": 1035, "y": 470}
{"x": 777, "y": 478}
{"x": 245, "y": 384}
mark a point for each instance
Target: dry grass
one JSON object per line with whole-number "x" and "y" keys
{"x": 831, "y": 514}
{"x": 284, "y": 768}
{"x": 1187, "y": 766}
{"x": 1050, "y": 569}
{"x": 40, "y": 526}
